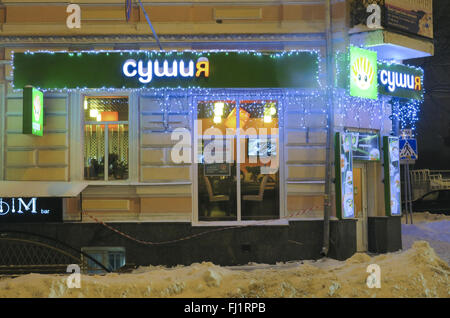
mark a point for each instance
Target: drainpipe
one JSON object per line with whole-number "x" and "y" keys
{"x": 330, "y": 128}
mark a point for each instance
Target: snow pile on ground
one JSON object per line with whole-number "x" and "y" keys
{"x": 417, "y": 272}
{"x": 426, "y": 217}
{"x": 433, "y": 228}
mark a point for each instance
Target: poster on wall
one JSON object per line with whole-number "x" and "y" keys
{"x": 363, "y": 73}
{"x": 365, "y": 146}
{"x": 411, "y": 16}
{"x": 33, "y": 111}
{"x": 344, "y": 176}
{"x": 391, "y": 148}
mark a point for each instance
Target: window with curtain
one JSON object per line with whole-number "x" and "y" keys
{"x": 106, "y": 138}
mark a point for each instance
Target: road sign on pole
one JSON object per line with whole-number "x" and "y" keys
{"x": 406, "y": 134}
{"x": 408, "y": 155}
{"x": 408, "y": 149}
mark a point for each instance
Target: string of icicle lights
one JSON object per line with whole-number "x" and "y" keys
{"x": 300, "y": 107}
{"x": 357, "y": 112}
{"x": 406, "y": 112}
{"x": 151, "y": 54}
{"x": 306, "y": 108}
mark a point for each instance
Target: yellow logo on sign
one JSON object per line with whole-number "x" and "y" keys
{"x": 363, "y": 73}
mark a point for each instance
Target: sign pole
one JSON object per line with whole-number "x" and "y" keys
{"x": 405, "y": 187}
{"x": 410, "y": 195}
{"x": 408, "y": 154}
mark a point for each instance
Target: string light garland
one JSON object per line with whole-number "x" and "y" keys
{"x": 305, "y": 103}
{"x": 358, "y": 112}
{"x": 151, "y": 54}
{"x": 405, "y": 110}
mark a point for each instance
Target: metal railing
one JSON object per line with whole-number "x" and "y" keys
{"x": 24, "y": 252}
{"x": 425, "y": 180}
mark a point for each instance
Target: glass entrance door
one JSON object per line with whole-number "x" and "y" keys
{"x": 237, "y": 170}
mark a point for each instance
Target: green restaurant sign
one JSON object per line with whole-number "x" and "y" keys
{"x": 363, "y": 73}
{"x": 365, "y": 77}
{"x": 33, "y": 111}
{"x": 151, "y": 69}
{"x": 400, "y": 81}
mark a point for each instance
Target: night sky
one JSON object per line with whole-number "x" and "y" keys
{"x": 433, "y": 128}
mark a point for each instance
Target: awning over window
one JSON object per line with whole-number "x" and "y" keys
{"x": 11, "y": 189}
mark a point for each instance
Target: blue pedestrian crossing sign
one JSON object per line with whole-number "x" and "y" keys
{"x": 408, "y": 149}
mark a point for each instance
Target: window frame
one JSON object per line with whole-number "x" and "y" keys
{"x": 238, "y": 96}
{"x": 104, "y": 252}
{"x": 133, "y": 136}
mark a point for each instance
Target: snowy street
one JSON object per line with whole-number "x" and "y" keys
{"x": 435, "y": 229}
{"x": 415, "y": 272}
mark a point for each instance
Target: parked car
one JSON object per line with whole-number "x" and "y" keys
{"x": 437, "y": 201}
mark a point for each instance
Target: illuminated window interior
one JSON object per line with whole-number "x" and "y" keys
{"x": 106, "y": 131}
{"x": 253, "y": 125}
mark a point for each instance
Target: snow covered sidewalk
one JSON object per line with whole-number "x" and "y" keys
{"x": 433, "y": 228}
{"x": 417, "y": 272}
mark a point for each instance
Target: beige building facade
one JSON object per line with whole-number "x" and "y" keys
{"x": 156, "y": 189}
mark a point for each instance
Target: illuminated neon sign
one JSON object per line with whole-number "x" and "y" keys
{"x": 146, "y": 70}
{"x": 154, "y": 69}
{"x": 31, "y": 209}
{"x": 366, "y": 77}
{"x": 363, "y": 72}
{"x": 392, "y": 184}
{"x": 393, "y": 80}
{"x": 345, "y": 201}
{"x": 18, "y": 205}
{"x": 33, "y": 111}
{"x": 400, "y": 81}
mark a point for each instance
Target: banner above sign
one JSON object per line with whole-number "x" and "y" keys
{"x": 151, "y": 69}
{"x": 412, "y": 16}
{"x": 408, "y": 16}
